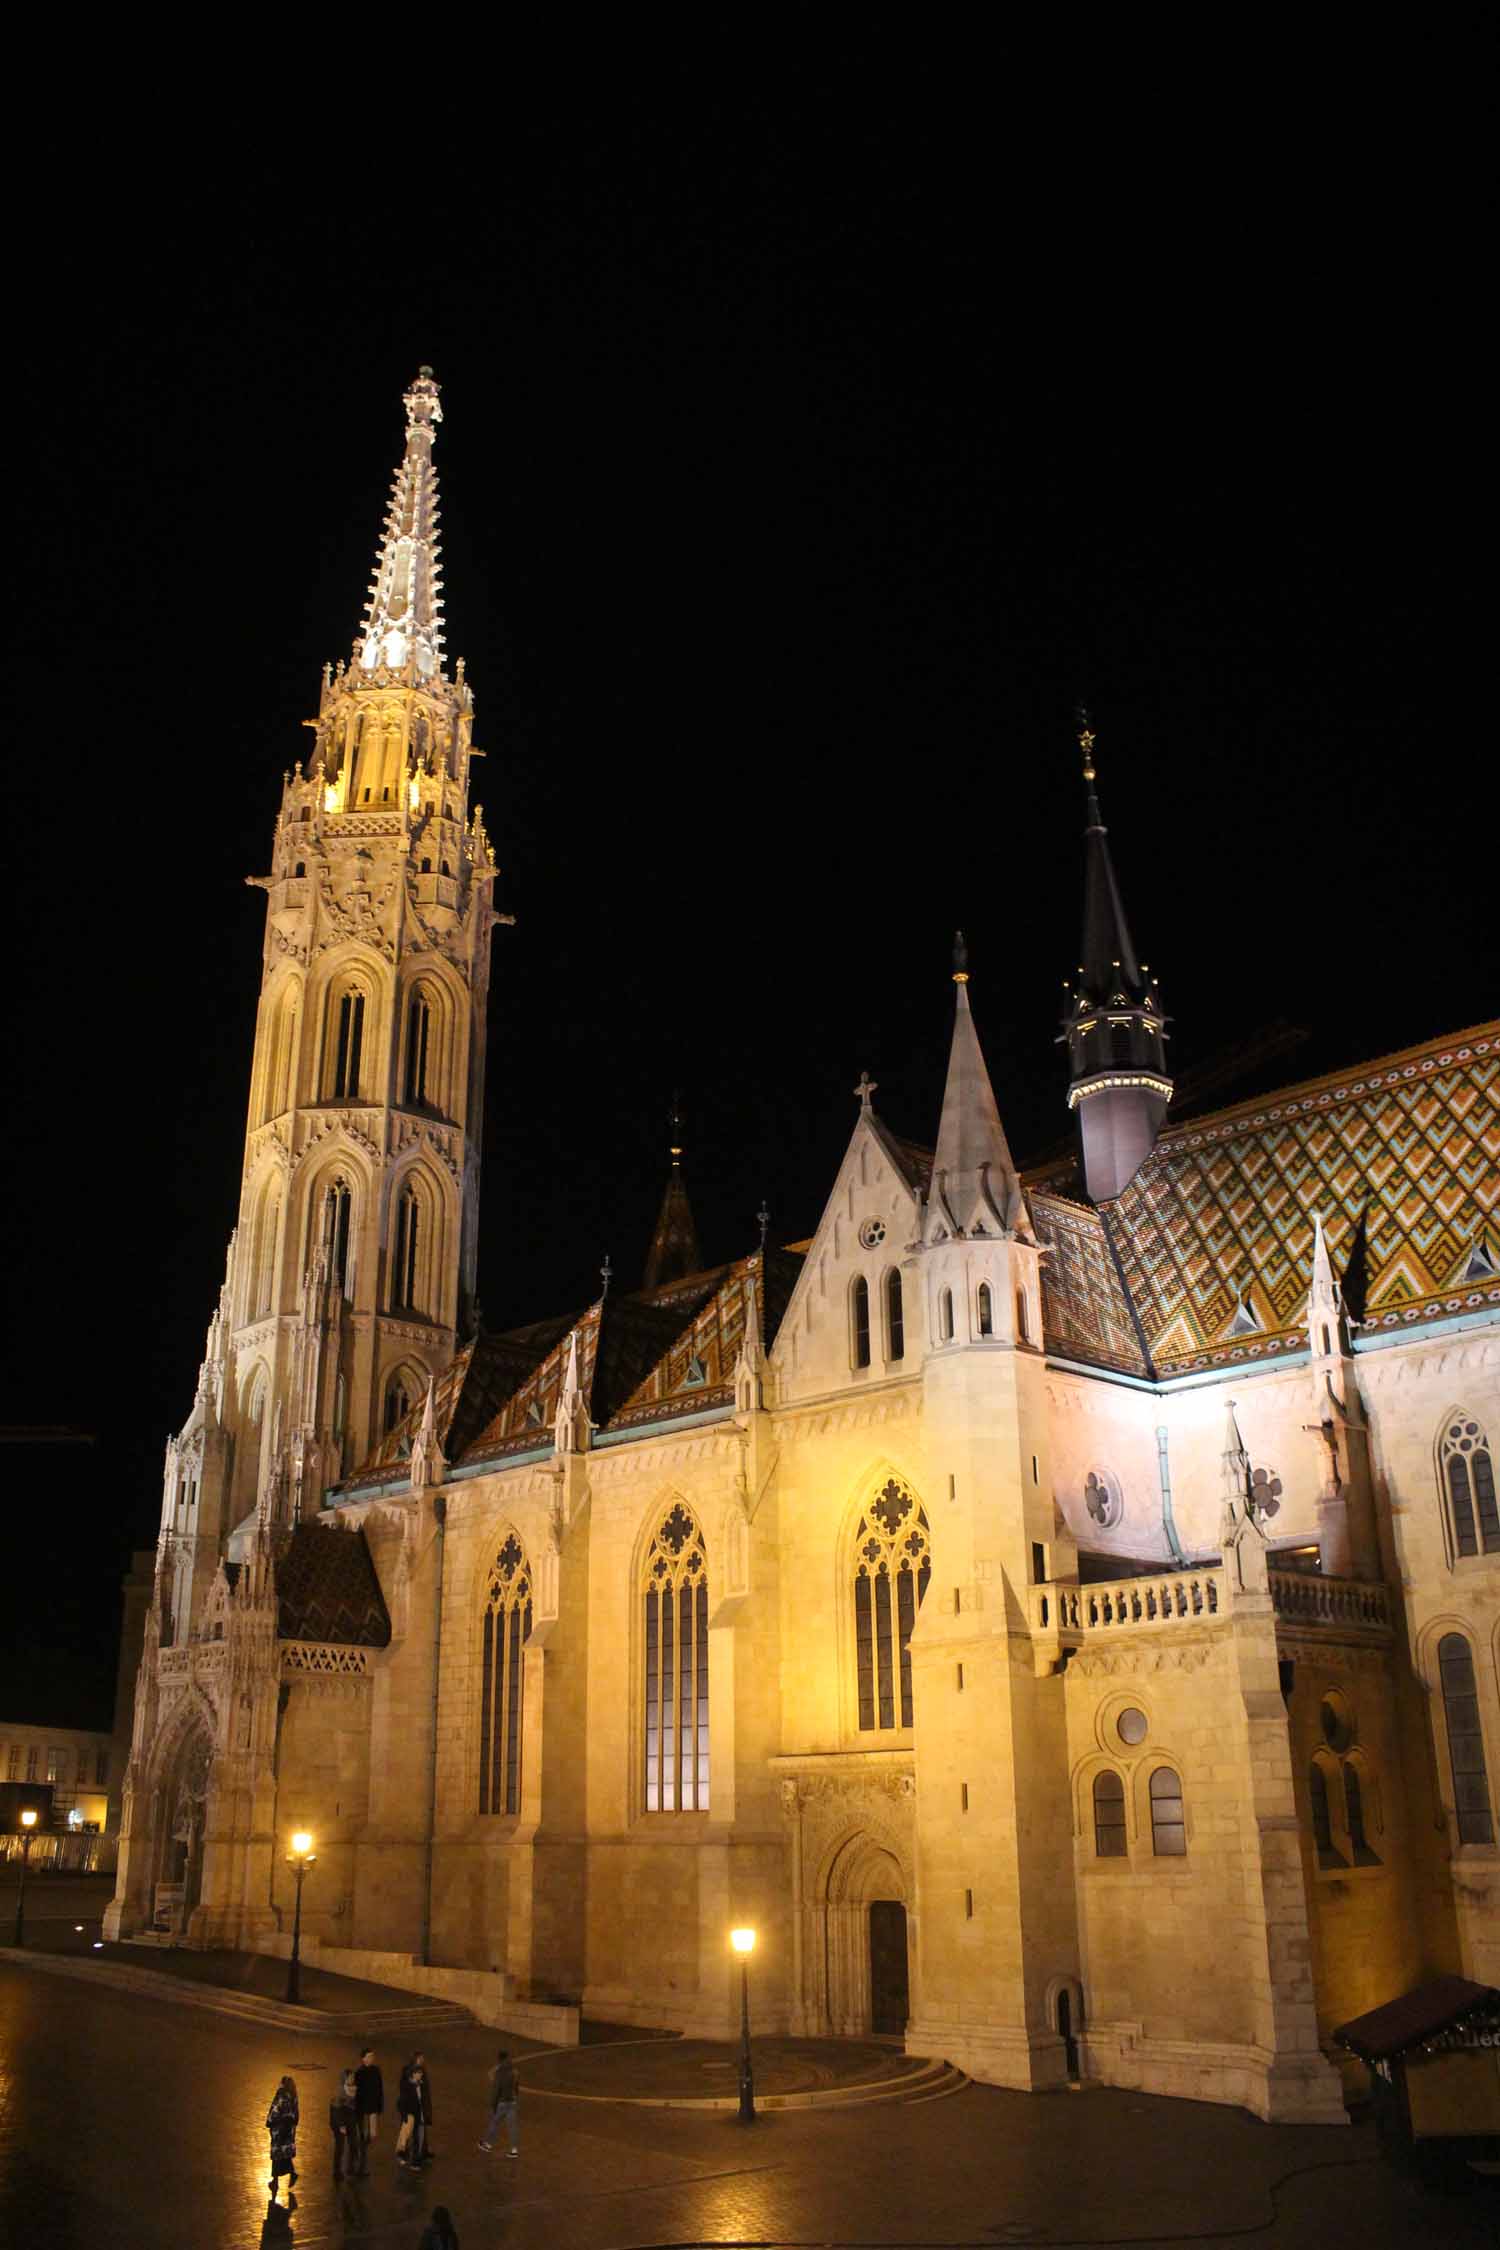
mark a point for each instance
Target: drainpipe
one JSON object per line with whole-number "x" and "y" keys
{"x": 1165, "y": 1472}
{"x": 439, "y": 1514}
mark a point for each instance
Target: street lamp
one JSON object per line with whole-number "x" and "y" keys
{"x": 28, "y": 1826}
{"x": 299, "y": 1860}
{"x": 743, "y": 1942}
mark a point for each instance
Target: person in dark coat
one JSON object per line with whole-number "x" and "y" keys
{"x": 343, "y": 2123}
{"x": 281, "y": 2124}
{"x": 505, "y": 2105}
{"x": 369, "y": 2104}
{"x": 414, "y": 2105}
{"x": 439, "y": 2232}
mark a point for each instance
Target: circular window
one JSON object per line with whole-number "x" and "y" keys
{"x": 1102, "y": 1498}
{"x": 1131, "y": 1725}
{"x": 1337, "y": 1722}
{"x": 872, "y": 1233}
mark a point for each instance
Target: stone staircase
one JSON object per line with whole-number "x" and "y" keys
{"x": 410, "y": 2025}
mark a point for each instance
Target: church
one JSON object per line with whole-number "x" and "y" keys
{"x": 1060, "y": 1611}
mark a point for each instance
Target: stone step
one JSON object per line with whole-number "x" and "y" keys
{"x": 247, "y": 2007}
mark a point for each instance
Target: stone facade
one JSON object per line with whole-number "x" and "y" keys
{"x": 1051, "y": 1671}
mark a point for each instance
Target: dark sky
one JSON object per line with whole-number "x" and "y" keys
{"x": 798, "y": 479}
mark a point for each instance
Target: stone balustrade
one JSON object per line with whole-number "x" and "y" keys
{"x": 1304, "y": 1598}
{"x": 1186, "y": 1597}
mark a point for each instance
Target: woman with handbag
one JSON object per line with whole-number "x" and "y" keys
{"x": 281, "y": 2124}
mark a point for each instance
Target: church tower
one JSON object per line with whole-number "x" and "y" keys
{"x": 351, "y": 1272}
{"x": 1114, "y": 1027}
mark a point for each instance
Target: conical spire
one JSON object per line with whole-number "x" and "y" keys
{"x": 674, "y": 1246}
{"x": 404, "y": 615}
{"x": 973, "y": 1175}
{"x": 1327, "y": 1319}
{"x": 1114, "y": 1026}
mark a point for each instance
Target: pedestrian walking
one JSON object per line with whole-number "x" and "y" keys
{"x": 413, "y": 2103}
{"x": 343, "y": 2123}
{"x": 439, "y": 2233}
{"x": 281, "y": 2124}
{"x": 505, "y": 2105}
{"x": 369, "y": 2103}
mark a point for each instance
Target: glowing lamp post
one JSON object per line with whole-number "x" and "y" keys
{"x": 299, "y": 1860}
{"x": 743, "y": 1942}
{"x": 28, "y": 1829}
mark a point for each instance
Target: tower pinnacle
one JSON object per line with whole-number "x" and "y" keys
{"x": 973, "y": 1174}
{"x": 403, "y": 623}
{"x": 674, "y": 1246}
{"x": 1114, "y": 1026}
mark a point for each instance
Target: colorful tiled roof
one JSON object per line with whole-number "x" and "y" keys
{"x": 1085, "y": 1312}
{"x": 1215, "y": 1233}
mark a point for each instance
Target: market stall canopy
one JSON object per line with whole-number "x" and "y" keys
{"x": 1418, "y": 2017}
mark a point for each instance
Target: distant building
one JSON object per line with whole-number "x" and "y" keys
{"x": 81, "y": 1768}
{"x": 1057, "y": 1616}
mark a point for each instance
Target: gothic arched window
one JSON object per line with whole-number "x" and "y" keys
{"x": 1354, "y": 1813}
{"x": 348, "y": 1050}
{"x": 986, "y": 1310}
{"x": 404, "y": 1292}
{"x": 338, "y": 1206}
{"x": 1168, "y": 1827}
{"x": 676, "y": 1651}
{"x": 418, "y": 1039}
{"x": 1109, "y": 1815}
{"x": 1328, "y": 1852}
{"x": 1471, "y": 1784}
{"x": 1468, "y": 1470}
{"x": 895, "y": 1317}
{"x": 892, "y": 1564}
{"x": 507, "y": 1628}
{"x": 400, "y": 1398}
{"x": 945, "y": 1316}
{"x": 859, "y": 1315}
{"x": 1023, "y": 1321}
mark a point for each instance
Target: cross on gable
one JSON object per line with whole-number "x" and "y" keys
{"x": 865, "y": 1089}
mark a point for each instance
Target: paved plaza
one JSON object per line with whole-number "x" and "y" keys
{"x": 135, "y": 2122}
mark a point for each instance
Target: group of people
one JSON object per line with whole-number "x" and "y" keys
{"x": 357, "y": 2107}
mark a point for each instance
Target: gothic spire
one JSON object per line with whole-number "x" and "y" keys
{"x": 973, "y": 1176}
{"x": 404, "y": 614}
{"x": 1114, "y": 1026}
{"x": 674, "y": 1246}
{"x": 1327, "y": 1319}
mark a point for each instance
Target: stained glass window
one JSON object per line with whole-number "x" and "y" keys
{"x": 676, "y": 1653}
{"x": 1109, "y": 1815}
{"x": 1469, "y": 1474}
{"x": 507, "y": 1628}
{"x": 1471, "y": 1785}
{"x": 892, "y": 1564}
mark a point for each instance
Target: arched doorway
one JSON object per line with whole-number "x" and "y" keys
{"x": 868, "y": 1978}
{"x": 179, "y": 1804}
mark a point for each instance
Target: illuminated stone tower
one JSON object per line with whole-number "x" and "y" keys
{"x": 1114, "y": 1027}
{"x": 351, "y": 1272}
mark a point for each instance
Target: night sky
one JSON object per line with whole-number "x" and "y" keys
{"x": 798, "y": 480}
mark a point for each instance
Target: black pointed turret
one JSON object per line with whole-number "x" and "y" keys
{"x": 674, "y": 1246}
{"x": 1114, "y": 1024}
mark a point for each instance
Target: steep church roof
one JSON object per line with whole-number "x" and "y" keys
{"x": 327, "y": 1588}
{"x": 1206, "y": 1258}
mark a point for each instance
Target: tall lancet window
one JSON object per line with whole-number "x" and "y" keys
{"x": 349, "y": 1039}
{"x": 418, "y": 1036}
{"x": 1469, "y": 1480}
{"x": 507, "y": 1628}
{"x": 676, "y": 1650}
{"x": 892, "y": 1564}
{"x": 338, "y": 1206}
{"x": 895, "y": 1317}
{"x": 859, "y": 1322}
{"x": 404, "y": 1262}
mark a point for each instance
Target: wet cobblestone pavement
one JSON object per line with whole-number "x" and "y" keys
{"x": 136, "y": 2124}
